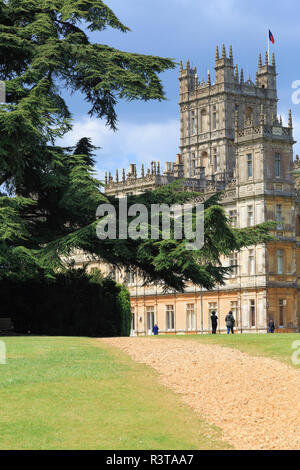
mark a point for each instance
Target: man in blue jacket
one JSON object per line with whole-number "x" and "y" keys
{"x": 155, "y": 329}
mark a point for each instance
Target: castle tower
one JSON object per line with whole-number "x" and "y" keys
{"x": 207, "y": 114}
{"x": 231, "y": 138}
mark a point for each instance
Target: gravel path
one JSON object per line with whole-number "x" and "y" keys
{"x": 254, "y": 400}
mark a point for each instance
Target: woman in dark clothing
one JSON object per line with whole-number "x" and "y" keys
{"x": 214, "y": 322}
{"x": 271, "y": 326}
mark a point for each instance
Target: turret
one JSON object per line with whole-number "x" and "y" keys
{"x": 188, "y": 78}
{"x": 266, "y": 74}
{"x": 224, "y": 66}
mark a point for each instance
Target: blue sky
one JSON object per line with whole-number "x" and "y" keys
{"x": 187, "y": 29}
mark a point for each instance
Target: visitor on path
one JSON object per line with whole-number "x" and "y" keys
{"x": 155, "y": 329}
{"x": 214, "y": 322}
{"x": 271, "y": 326}
{"x": 230, "y": 321}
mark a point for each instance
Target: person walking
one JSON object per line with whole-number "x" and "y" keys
{"x": 155, "y": 329}
{"x": 230, "y": 321}
{"x": 271, "y": 326}
{"x": 214, "y": 322}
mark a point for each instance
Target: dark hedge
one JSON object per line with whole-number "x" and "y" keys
{"x": 74, "y": 304}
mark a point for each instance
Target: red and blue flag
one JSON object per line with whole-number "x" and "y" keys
{"x": 271, "y": 37}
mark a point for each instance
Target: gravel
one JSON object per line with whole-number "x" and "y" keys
{"x": 254, "y": 400}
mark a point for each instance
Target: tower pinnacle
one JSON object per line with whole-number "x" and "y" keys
{"x": 290, "y": 118}
{"x": 223, "y": 51}
{"x": 266, "y": 58}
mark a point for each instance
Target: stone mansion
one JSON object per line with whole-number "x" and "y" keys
{"x": 231, "y": 140}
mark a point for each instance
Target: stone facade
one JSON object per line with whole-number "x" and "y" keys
{"x": 231, "y": 139}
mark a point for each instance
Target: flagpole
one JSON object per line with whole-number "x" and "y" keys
{"x": 268, "y": 49}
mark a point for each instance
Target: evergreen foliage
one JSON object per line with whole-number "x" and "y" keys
{"x": 52, "y": 193}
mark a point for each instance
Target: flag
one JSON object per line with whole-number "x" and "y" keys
{"x": 271, "y": 37}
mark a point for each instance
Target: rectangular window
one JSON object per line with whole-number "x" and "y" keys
{"x": 235, "y": 310}
{"x": 212, "y": 307}
{"x": 193, "y": 123}
{"x": 130, "y": 277}
{"x": 150, "y": 318}
{"x": 193, "y": 169}
{"x": 215, "y": 160}
{"x": 170, "y": 318}
{"x": 233, "y": 218}
{"x": 190, "y": 317}
{"x": 277, "y": 165}
{"x": 249, "y": 165}
{"x": 282, "y": 303}
{"x": 279, "y": 261}
{"x": 132, "y": 319}
{"x": 214, "y": 119}
{"x": 250, "y": 216}
{"x": 278, "y": 216}
{"x": 251, "y": 262}
{"x": 252, "y": 312}
{"x": 113, "y": 273}
{"x": 193, "y": 165}
{"x": 233, "y": 261}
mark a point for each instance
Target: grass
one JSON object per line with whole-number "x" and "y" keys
{"x": 77, "y": 393}
{"x": 278, "y": 346}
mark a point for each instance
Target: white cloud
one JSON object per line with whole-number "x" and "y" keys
{"x": 132, "y": 143}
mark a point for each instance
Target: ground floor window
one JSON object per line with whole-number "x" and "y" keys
{"x": 234, "y": 307}
{"x": 170, "y": 318}
{"x": 190, "y": 317}
{"x": 150, "y": 318}
{"x": 133, "y": 321}
{"x": 212, "y": 307}
{"x": 252, "y": 312}
{"x": 282, "y": 303}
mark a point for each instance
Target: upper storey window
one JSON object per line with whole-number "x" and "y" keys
{"x": 193, "y": 165}
{"x": 249, "y": 166}
{"x": 215, "y": 160}
{"x": 204, "y": 121}
{"x": 233, "y": 218}
{"x": 278, "y": 216}
{"x": 277, "y": 165}
{"x": 250, "y": 216}
{"x": 214, "y": 118}
{"x": 249, "y": 112}
{"x": 193, "y": 123}
{"x": 280, "y": 261}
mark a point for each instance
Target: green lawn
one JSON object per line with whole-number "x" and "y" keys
{"x": 278, "y": 346}
{"x": 76, "y": 393}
